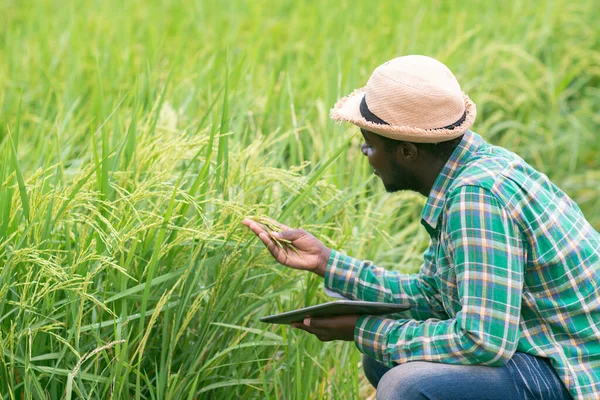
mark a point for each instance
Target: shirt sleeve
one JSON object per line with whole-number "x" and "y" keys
{"x": 361, "y": 280}
{"x": 487, "y": 256}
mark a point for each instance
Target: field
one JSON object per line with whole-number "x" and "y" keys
{"x": 136, "y": 135}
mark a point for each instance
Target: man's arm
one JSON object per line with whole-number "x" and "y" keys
{"x": 488, "y": 256}
{"x": 361, "y": 280}
{"x": 353, "y": 278}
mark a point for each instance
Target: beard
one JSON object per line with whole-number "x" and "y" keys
{"x": 401, "y": 179}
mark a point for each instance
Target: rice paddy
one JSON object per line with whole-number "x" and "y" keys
{"x": 135, "y": 136}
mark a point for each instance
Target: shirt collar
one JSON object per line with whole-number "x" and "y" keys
{"x": 437, "y": 197}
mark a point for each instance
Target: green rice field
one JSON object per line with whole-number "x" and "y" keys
{"x": 136, "y": 135}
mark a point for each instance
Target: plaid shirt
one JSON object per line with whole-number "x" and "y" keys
{"x": 512, "y": 265}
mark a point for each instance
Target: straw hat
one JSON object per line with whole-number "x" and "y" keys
{"x": 411, "y": 98}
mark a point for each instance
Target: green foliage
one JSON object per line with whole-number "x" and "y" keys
{"x": 135, "y": 136}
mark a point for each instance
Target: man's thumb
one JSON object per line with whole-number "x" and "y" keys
{"x": 290, "y": 235}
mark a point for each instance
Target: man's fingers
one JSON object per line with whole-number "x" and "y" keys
{"x": 263, "y": 235}
{"x": 279, "y": 224}
{"x": 299, "y": 325}
{"x": 326, "y": 329}
{"x": 286, "y": 233}
{"x": 271, "y": 246}
{"x": 315, "y": 323}
{"x": 268, "y": 240}
{"x": 319, "y": 322}
{"x": 304, "y": 327}
{"x": 322, "y": 334}
{"x": 254, "y": 227}
{"x": 248, "y": 222}
{"x": 290, "y": 234}
{"x": 265, "y": 238}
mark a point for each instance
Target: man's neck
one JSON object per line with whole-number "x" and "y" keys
{"x": 429, "y": 173}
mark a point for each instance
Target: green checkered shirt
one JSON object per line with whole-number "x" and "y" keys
{"x": 512, "y": 265}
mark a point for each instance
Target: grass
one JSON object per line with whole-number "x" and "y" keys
{"x": 135, "y": 136}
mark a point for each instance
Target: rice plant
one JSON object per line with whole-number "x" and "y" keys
{"x": 136, "y": 136}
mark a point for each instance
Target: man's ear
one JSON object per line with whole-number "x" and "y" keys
{"x": 407, "y": 152}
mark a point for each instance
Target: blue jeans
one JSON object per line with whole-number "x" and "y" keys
{"x": 523, "y": 377}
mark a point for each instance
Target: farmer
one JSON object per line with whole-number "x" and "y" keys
{"x": 507, "y": 302}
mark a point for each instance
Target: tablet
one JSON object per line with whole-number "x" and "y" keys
{"x": 335, "y": 309}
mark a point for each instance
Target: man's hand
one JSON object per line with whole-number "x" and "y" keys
{"x": 327, "y": 329}
{"x": 310, "y": 255}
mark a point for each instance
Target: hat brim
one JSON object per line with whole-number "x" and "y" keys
{"x": 347, "y": 109}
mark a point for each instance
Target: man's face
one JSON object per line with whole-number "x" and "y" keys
{"x": 387, "y": 163}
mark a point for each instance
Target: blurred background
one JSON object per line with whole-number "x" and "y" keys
{"x": 136, "y": 135}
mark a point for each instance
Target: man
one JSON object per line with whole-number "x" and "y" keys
{"x": 507, "y": 301}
